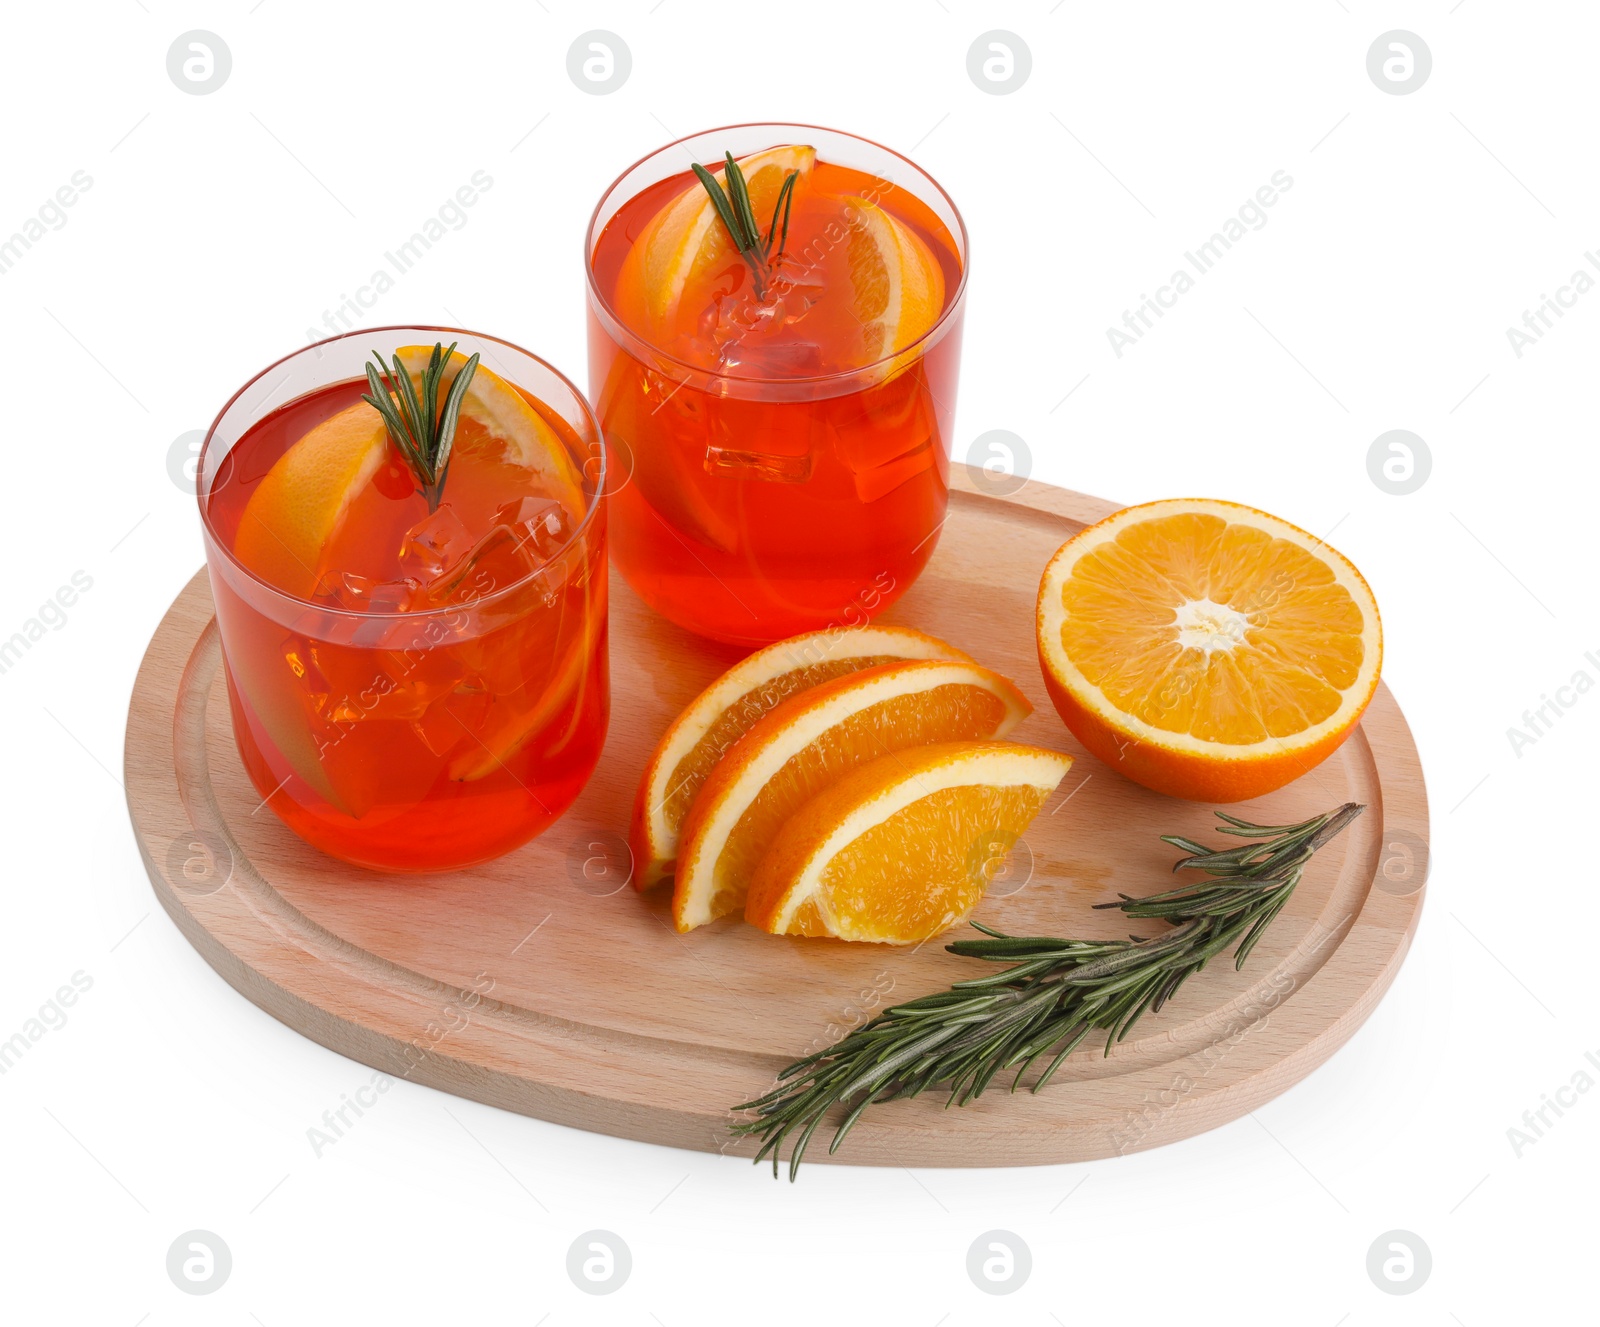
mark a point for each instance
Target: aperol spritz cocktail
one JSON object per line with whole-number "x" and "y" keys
{"x": 779, "y": 414}
{"x": 414, "y": 685}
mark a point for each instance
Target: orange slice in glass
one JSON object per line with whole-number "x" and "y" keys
{"x": 302, "y": 500}
{"x": 897, "y": 283}
{"x": 902, "y": 849}
{"x": 730, "y": 706}
{"x": 686, "y": 244}
{"x": 497, "y": 421}
{"x": 1205, "y": 649}
{"x": 810, "y": 741}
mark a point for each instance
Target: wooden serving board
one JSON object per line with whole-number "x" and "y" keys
{"x": 542, "y": 984}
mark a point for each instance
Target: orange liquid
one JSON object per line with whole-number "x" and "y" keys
{"x": 748, "y": 511}
{"x": 459, "y": 703}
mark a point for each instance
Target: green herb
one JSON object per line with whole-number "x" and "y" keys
{"x": 1052, "y": 997}
{"x": 740, "y": 218}
{"x": 423, "y": 431}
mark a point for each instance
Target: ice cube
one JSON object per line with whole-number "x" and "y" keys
{"x": 301, "y": 657}
{"x": 756, "y": 440}
{"x": 878, "y": 481}
{"x": 382, "y": 599}
{"x": 763, "y": 357}
{"x": 742, "y": 463}
{"x": 377, "y": 685}
{"x": 435, "y": 546}
{"x": 886, "y": 435}
{"x": 453, "y": 716}
{"x": 501, "y": 558}
{"x": 333, "y": 591}
{"x": 362, "y": 595}
{"x": 796, "y": 288}
{"x": 542, "y": 523}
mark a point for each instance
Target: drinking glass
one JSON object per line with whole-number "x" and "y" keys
{"x": 400, "y": 735}
{"x": 755, "y": 498}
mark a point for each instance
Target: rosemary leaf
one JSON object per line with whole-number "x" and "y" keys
{"x": 421, "y": 432}
{"x": 738, "y": 216}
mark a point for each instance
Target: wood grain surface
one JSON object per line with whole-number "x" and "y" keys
{"x": 541, "y": 983}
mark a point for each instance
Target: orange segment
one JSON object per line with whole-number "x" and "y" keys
{"x": 903, "y": 848}
{"x": 1206, "y": 649}
{"x": 811, "y": 740}
{"x": 730, "y": 706}
{"x": 499, "y": 421}
{"x": 897, "y": 283}
{"x": 300, "y": 503}
{"x": 685, "y": 244}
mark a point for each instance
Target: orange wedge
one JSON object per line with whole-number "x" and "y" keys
{"x": 1205, "y": 649}
{"x": 898, "y": 283}
{"x": 901, "y": 849}
{"x": 685, "y": 244}
{"x": 304, "y": 497}
{"x": 814, "y": 739}
{"x": 497, "y": 421}
{"x": 721, "y": 714}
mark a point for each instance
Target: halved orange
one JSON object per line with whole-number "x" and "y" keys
{"x": 721, "y": 714}
{"x": 903, "y": 848}
{"x": 811, "y": 740}
{"x": 1205, "y": 649}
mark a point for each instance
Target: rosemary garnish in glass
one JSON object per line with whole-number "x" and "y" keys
{"x": 422, "y": 430}
{"x": 1054, "y": 994}
{"x": 740, "y": 218}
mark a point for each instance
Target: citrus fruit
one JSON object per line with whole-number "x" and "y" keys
{"x": 811, "y": 740}
{"x": 302, "y": 500}
{"x": 902, "y": 848}
{"x": 299, "y": 505}
{"x": 1205, "y": 649}
{"x": 498, "y": 422}
{"x": 897, "y": 283}
{"x": 686, "y": 244}
{"x": 721, "y": 714}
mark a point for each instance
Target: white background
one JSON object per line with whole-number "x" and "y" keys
{"x": 1419, "y": 227}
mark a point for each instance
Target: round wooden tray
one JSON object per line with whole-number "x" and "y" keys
{"x": 542, "y": 984}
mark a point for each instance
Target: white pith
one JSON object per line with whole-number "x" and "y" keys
{"x": 1205, "y": 625}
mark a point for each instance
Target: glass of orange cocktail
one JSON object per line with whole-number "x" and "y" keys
{"x": 415, "y": 656}
{"x": 775, "y": 374}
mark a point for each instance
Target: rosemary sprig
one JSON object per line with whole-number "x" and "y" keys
{"x": 421, "y": 431}
{"x": 740, "y": 218}
{"x": 1054, "y": 994}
